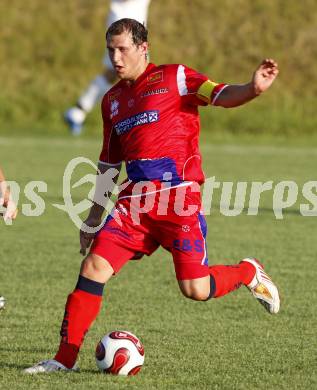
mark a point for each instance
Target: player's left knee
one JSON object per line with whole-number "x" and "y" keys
{"x": 200, "y": 289}
{"x": 195, "y": 293}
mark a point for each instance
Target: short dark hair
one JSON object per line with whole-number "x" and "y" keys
{"x": 138, "y": 31}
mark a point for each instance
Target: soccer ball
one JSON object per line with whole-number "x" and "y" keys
{"x": 120, "y": 353}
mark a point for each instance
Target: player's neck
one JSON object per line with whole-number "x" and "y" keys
{"x": 141, "y": 69}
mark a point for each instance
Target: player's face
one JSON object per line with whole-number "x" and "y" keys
{"x": 128, "y": 59}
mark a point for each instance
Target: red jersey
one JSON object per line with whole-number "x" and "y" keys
{"x": 153, "y": 124}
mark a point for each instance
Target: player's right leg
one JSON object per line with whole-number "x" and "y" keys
{"x": 114, "y": 245}
{"x": 82, "y": 308}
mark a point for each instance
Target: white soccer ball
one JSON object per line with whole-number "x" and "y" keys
{"x": 120, "y": 353}
{"x": 2, "y": 303}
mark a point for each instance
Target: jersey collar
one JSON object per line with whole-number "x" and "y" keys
{"x": 142, "y": 76}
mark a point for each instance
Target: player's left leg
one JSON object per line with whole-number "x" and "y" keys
{"x": 219, "y": 280}
{"x": 223, "y": 279}
{"x": 201, "y": 282}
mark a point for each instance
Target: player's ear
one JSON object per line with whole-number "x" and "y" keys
{"x": 144, "y": 47}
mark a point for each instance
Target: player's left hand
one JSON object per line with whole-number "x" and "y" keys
{"x": 264, "y": 75}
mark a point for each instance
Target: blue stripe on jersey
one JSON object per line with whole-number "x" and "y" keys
{"x": 203, "y": 226}
{"x": 153, "y": 169}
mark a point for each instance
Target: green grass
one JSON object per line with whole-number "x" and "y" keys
{"x": 229, "y": 343}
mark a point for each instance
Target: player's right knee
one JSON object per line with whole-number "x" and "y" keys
{"x": 96, "y": 268}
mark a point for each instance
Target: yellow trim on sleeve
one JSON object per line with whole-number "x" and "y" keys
{"x": 205, "y": 90}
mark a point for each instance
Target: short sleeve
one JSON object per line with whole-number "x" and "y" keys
{"x": 196, "y": 88}
{"x": 111, "y": 149}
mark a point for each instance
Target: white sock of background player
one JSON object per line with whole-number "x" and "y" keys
{"x": 94, "y": 93}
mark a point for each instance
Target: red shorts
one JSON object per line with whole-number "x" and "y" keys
{"x": 140, "y": 225}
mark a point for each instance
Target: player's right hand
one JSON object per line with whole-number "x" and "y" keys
{"x": 85, "y": 237}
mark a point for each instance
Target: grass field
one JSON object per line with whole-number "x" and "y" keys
{"x": 229, "y": 343}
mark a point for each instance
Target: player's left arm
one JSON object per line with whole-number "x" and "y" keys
{"x": 236, "y": 95}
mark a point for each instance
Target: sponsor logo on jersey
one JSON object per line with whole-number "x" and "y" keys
{"x": 142, "y": 118}
{"x": 114, "y": 95}
{"x": 151, "y": 92}
{"x": 155, "y": 77}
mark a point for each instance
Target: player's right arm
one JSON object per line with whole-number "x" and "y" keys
{"x": 107, "y": 177}
{"x": 109, "y": 167}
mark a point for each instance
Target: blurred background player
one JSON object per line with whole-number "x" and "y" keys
{"x": 10, "y": 212}
{"x": 75, "y": 116}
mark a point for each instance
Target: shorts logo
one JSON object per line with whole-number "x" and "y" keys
{"x": 155, "y": 77}
{"x": 152, "y": 92}
{"x": 142, "y": 118}
{"x": 185, "y": 228}
{"x": 187, "y": 245}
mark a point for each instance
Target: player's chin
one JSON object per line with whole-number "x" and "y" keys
{"x": 120, "y": 71}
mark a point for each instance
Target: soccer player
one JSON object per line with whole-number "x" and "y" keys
{"x": 151, "y": 122}
{"x": 75, "y": 116}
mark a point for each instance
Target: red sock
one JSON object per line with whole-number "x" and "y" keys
{"x": 230, "y": 277}
{"x": 82, "y": 308}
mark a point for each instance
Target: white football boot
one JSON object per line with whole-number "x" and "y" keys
{"x": 48, "y": 366}
{"x": 262, "y": 287}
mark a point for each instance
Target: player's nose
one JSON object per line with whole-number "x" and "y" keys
{"x": 116, "y": 57}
